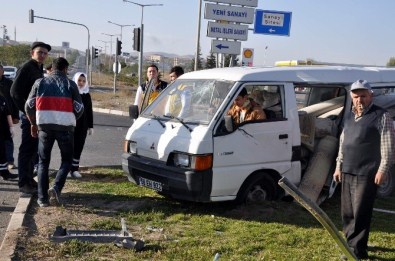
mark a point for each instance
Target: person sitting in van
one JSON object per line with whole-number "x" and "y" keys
{"x": 243, "y": 109}
{"x": 179, "y": 102}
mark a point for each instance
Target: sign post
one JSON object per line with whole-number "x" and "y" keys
{"x": 229, "y": 13}
{"x": 247, "y": 57}
{"x": 231, "y": 17}
{"x": 272, "y": 22}
{"x": 226, "y": 47}
{"x": 227, "y": 31}
{"x": 252, "y": 3}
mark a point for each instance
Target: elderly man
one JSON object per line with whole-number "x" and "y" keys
{"x": 365, "y": 155}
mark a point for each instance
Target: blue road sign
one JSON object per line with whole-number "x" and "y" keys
{"x": 272, "y": 22}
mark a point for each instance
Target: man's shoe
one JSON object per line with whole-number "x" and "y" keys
{"x": 11, "y": 166}
{"x": 6, "y": 175}
{"x": 42, "y": 203}
{"x": 27, "y": 190}
{"x": 53, "y": 196}
{"x": 76, "y": 174}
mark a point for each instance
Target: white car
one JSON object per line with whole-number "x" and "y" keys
{"x": 10, "y": 72}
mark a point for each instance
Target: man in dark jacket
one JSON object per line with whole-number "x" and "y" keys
{"x": 20, "y": 89}
{"x": 53, "y": 106}
{"x": 5, "y": 87}
{"x": 366, "y": 153}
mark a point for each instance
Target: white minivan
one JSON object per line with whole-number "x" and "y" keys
{"x": 194, "y": 152}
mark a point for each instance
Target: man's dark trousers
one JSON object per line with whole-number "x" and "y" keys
{"x": 358, "y": 196}
{"x": 65, "y": 140}
{"x": 27, "y": 153}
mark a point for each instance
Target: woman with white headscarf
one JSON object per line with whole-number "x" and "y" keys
{"x": 84, "y": 124}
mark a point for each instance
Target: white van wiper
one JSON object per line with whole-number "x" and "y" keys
{"x": 179, "y": 120}
{"x": 158, "y": 119}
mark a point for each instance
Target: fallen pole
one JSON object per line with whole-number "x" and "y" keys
{"x": 384, "y": 211}
{"x": 319, "y": 214}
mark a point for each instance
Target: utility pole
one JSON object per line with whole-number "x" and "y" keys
{"x": 198, "y": 36}
{"x": 88, "y": 68}
{"x": 111, "y": 35}
{"x": 141, "y": 56}
{"x": 121, "y": 25}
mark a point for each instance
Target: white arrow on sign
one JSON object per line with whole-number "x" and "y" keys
{"x": 226, "y": 47}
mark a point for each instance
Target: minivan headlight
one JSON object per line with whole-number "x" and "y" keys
{"x": 130, "y": 147}
{"x": 195, "y": 162}
{"x": 181, "y": 160}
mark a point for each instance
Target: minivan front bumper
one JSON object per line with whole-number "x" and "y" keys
{"x": 178, "y": 183}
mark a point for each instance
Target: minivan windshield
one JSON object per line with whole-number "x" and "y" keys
{"x": 189, "y": 101}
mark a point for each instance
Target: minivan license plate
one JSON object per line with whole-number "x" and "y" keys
{"x": 150, "y": 184}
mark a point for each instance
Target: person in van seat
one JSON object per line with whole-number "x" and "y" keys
{"x": 244, "y": 109}
{"x": 179, "y": 102}
{"x": 366, "y": 153}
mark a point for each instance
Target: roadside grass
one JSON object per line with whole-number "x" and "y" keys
{"x": 174, "y": 230}
{"x": 120, "y": 100}
{"x": 104, "y": 96}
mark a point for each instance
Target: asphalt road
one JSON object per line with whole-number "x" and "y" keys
{"x": 103, "y": 148}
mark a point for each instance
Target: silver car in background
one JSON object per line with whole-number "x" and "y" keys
{"x": 10, "y": 72}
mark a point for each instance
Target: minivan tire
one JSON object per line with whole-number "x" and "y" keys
{"x": 257, "y": 188}
{"x": 388, "y": 187}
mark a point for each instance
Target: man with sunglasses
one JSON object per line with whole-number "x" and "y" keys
{"x": 25, "y": 77}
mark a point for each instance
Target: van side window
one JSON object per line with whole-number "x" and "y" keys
{"x": 269, "y": 98}
{"x": 384, "y": 96}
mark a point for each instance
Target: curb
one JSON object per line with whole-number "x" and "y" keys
{"x": 8, "y": 246}
{"x": 109, "y": 111}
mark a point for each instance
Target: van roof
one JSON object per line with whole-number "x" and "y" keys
{"x": 300, "y": 74}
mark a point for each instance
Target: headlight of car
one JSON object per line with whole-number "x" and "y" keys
{"x": 195, "y": 162}
{"x": 181, "y": 160}
{"x": 130, "y": 147}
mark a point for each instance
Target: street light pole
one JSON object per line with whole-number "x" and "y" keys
{"x": 122, "y": 26}
{"x": 111, "y": 35}
{"x": 105, "y": 52}
{"x": 105, "y": 46}
{"x": 198, "y": 36}
{"x": 88, "y": 69}
{"x": 141, "y": 36}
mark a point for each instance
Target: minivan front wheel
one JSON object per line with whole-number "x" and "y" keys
{"x": 258, "y": 188}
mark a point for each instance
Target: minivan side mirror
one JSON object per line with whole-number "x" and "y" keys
{"x": 228, "y": 123}
{"x": 133, "y": 111}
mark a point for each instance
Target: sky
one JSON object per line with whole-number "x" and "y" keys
{"x": 336, "y": 31}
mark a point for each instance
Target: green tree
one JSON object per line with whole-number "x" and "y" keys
{"x": 211, "y": 61}
{"x": 199, "y": 63}
{"x": 14, "y": 55}
{"x": 391, "y": 62}
{"x": 227, "y": 61}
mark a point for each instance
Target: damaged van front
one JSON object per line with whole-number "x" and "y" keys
{"x": 169, "y": 148}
